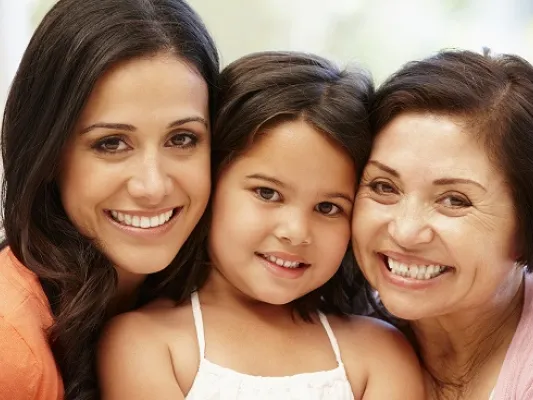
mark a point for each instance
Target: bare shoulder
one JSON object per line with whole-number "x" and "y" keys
{"x": 371, "y": 333}
{"x": 380, "y": 353}
{"x": 149, "y": 321}
{"x": 134, "y": 352}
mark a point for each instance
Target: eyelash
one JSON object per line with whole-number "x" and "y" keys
{"x": 463, "y": 200}
{"x": 100, "y": 144}
{"x": 260, "y": 189}
{"x": 374, "y": 186}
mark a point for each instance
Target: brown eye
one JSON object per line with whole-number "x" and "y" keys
{"x": 267, "y": 194}
{"x": 381, "y": 187}
{"x": 111, "y": 145}
{"x": 327, "y": 208}
{"x": 183, "y": 140}
{"x": 454, "y": 201}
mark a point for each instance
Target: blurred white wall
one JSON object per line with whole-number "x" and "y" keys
{"x": 379, "y": 34}
{"x": 16, "y": 28}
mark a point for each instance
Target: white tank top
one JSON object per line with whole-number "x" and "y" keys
{"x": 214, "y": 382}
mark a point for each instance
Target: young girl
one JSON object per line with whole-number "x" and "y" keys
{"x": 267, "y": 320}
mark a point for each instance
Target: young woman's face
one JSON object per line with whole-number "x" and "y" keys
{"x": 136, "y": 173}
{"x": 281, "y": 215}
{"x": 434, "y": 224}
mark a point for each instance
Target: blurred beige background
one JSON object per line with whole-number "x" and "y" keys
{"x": 379, "y": 34}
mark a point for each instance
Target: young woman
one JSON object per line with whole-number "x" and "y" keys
{"x": 106, "y": 151}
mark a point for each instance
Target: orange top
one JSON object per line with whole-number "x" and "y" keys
{"x": 27, "y": 367}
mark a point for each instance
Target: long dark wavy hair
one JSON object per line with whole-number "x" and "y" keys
{"x": 265, "y": 89}
{"x": 77, "y": 41}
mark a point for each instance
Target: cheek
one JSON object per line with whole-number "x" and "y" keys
{"x": 83, "y": 185}
{"x": 194, "y": 178}
{"x": 333, "y": 242}
{"x": 237, "y": 215}
{"x": 367, "y": 218}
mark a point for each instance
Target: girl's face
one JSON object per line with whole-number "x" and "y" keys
{"x": 281, "y": 214}
{"x": 136, "y": 174}
{"x": 434, "y": 227}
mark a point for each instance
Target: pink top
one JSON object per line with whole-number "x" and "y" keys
{"x": 516, "y": 376}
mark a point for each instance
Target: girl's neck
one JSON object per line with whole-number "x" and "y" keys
{"x": 217, "y": 290}
{"x": 456, "y": 348}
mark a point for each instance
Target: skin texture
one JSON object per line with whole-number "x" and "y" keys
{"x": 430, "y": 195}
{"x": 153, "y": 156}
{"x": 301, "y": 209}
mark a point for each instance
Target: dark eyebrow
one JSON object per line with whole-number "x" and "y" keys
{"x": 385, "y": 168}
{"x": 455, "y": 181}
{"x": 131, "y": 128}
{"x": 183, "y": 121}
{"x": 339, "y": 195}
{"x": 277, "y": 182}
{"x": 440, "y": 182}
{"x": 266, "y": 178}
{"x": 108, "y": 125}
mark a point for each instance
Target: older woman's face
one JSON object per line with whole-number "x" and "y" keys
{"x": 434, "y": 225}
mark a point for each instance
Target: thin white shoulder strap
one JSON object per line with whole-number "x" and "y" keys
{"x": 331, "y": 336}
{"x": 198, "y": 322}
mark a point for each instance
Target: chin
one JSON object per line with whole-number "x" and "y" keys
{"x": 275, "y": 297}
{"x": 406, "y": 310}
{"x": 143, "y": 264}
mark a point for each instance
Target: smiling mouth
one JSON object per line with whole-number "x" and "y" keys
{"x": 144, "y": 221}
{"x": 415, "y": 271}
{"x": 281, "y": 262}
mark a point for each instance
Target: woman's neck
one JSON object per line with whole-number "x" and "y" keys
{"x": 455, "y": 349}
{"x": 126, "y": 294}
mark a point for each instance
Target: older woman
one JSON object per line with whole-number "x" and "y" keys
{"x": 443, "y": 224}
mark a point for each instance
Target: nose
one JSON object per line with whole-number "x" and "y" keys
{"x": 410, "y": 226}
{"x": 294, "y": 228}
{"x": 149, "y": 181}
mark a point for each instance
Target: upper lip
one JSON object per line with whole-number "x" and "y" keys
{"x": 407, "y": 259}
{"x": 285, "y": 256}
{"x": 145, "y": 213}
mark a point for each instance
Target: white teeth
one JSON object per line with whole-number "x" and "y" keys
{"x": 419, "y": 272}
{"x": 145, "y": 222}
{"x": 280, "y": 262}
{"x": 141, "y": 222}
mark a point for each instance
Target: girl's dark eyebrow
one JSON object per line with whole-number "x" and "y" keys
{"x": 277, "y": 182}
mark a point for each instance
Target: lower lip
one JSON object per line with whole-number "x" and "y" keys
{"x": 147, "y": 232}
{"x": 409, "y": 283}
{"x": 282, "y": 272}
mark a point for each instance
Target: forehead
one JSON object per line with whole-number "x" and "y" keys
{"x": 299, "y": 154}
{"x": 435, "y": 144}
{"x": 141, "y": 86}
